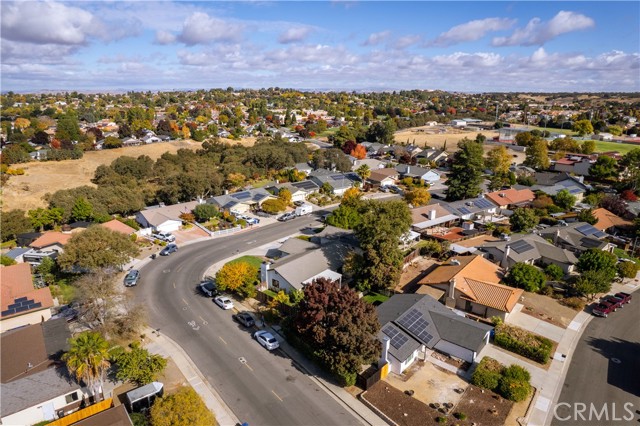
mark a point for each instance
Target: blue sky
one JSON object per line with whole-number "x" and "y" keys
{"x": 341, "y": 45}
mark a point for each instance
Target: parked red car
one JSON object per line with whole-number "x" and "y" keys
{"x": 626, "y": 297}
{"x": 615, "y": 301}
{"x": 603, "y": 309}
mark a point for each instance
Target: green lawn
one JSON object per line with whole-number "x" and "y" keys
{"x": 622, "y": 148}
{"x": 251, "y": 260}
{"x": 375, "y": 297}
{"x": 621, "y": 253}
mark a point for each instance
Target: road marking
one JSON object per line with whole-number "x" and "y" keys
{"x": 248, "y": 366}
{"x": 222, "y": 340}
{"x": 204, "y": 321}
{"x": 185, "y": 302}
{"x": 274, "y": 392}
{"x": 174, "y": 284}
{"x": 179, "y": 267}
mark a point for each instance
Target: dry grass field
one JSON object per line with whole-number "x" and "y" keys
{"x": 432, "y": 138}
{"x": 26, "y": 191}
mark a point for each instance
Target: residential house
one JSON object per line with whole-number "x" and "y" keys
{"x": 415, "y": 325}
{"x": 17, "y": 253}
{"x": 339, "y": 182}
{"x": 297, "y": 194}
{"x": 471, "y": 284}
{"x": 49, "y": 244}
{"x": 438, "y": 156}
{"x": 609, "y": 222}
{"x": 114, "y": 416}
{"x": 603, "y": 137}
{"x": 303, "y": 167}
{"x": 383, "y": 177}
{"x": 577, "y": 164}
{"x": 374, "y": 164}
{"x": 432, "y": 177}
{"x": 151, "y": 139}
{"x": 161, "y": 218}
{"x": 241, "y": 202}
{"x": 432, "y": 215}
{"x": 530, "y": 249}
{"x": 22, "y": 303}
{"x": 458, "y": 123}
{"x": 308, "y": 186}
{"x": 577, "y": 237}
{"x": 511, "y": 198}
{"x": 35, "y": 385}
{"x": 552, "y": 183}
{"x": 476, "y": 209}
{"x": 117, "y": 226}
{"x": 374, "y": 148}
{"x": 303, "y": 262}
{"x": 415, "y": 172}
{"x": 131, "y": 141}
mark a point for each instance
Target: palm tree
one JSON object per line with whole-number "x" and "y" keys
{"x": 364, "y": 172}
{"x": 88, "y": 359}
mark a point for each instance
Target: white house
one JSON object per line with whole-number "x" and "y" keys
{"x": 414, "y": 325}
{"x": 163, "y": 218}
{"x": 241, "y": 202}
{"x": 458, "y": 123}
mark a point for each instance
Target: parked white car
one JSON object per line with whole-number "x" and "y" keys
{"x": 266, "y": 339}
{"x": 164, "y": 236}
{"x": 224, "y": 302}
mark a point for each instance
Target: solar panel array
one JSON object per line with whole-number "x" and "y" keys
{"x": 305, "y": 184}
{"x": 521, "y": 246}
{"x": 464, "y": 210}
{"x": 397, "y": 338}
{"x": 338, "y": 177}
{"x": 586, "y": 229}
{"x": 242, "y": 195}
{"x": 483, "y": 203}
{"x": 257, "y": 197}
{"x": 21, "y": 304}
{"x": 414, "y": 322}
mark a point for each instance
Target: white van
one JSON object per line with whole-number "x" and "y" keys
{"x": 304, "y": 209}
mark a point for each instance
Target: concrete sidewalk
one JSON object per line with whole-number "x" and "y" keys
{"x": 535, "y": 325}
{"x": 162, "y": 345}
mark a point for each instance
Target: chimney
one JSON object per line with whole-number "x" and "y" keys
{"x": 557, "y": 237}
{"x": 408, "y": 169}
{"x": 432, "y": 215}
{"x": 452, "y": 288}
{"x": 384, "y": 359}
{"x": 505, "y": 258}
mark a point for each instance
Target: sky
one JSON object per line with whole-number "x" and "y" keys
{"x": 477, "y": 46}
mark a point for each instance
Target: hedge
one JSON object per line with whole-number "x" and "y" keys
{"x": 487, "y": 374}
{"x": 523, "y": 343}
{"x": 511, "y": 382}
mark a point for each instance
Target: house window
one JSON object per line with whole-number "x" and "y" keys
{"x": 275, "y": 283}
{"x": 71, "y": 397}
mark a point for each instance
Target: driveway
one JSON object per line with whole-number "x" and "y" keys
{"x": 188, "y": 235}
{"x": 535, "y": 325}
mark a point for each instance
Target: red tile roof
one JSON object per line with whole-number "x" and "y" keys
{"x": 50, "y": 238}
{"x": 116, "y": 225}
{"x": 511, "y": 196}
{"x": 16, "y": 282}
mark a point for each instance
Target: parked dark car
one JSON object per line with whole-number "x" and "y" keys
{"x": 208, "y": 288}
{"x": 245, "y": 319}
{"x": 615, "y": 301}
{"x": 170, "y": 248}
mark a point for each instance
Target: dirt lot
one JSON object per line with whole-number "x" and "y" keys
{"x": 434, "y": 139}
{"x": 478, "y": 405}
{"x": 547, "y": 309}
{"x": 413, "y": 273}
{"x": 401, "y": 408}
{"x": 429, "y": 383}
{"x": 26, "y": 191}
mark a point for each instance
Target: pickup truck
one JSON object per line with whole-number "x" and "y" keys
{"x": 615, "y": 301}
{"x": 626, "y": 297}
{"x": 603, "y": 309}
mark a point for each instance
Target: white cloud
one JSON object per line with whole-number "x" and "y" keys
{"x": 164, "y": 37}
{"x": 200, "y": 28}
{"x": 294, "y": 35}
{"x": 376, "y": 38}
{"x": 406, "y": 41}
{"x": 537, "y": 32}
{"x": 471, "y": 31}
{"x": 47, "y": 23}
{"x": 461, "y": 59}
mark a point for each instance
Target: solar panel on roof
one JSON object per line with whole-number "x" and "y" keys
{"x": 464, "y": 210}
{"x": 586, "y": 229}
{"x": 599, "y": 234}
{"x": 257, "y": 197}
{"x": 20, "y": 299}
{"x": 575, "y": 191}
{"x": 483, "y": 203}
{"x": 242, "y": 195}
{"x": 590, "y": 242}
{"x": 521, "y": 246}
{"x": 397, "y": 339}
{"x": 337, "y": 177}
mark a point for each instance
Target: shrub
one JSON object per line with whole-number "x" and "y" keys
{"x": 460, "y": 416}
{"x": 529, "y": 277}
{"x": 628, "y": 269}
{"x": 514, "y": 389}
{"x": 522, "y": 342}
{"x": 442, "y": 420}
{"x": 574, "y": 303}
{"x": 487, "y": 374}
{"x": 553, "y": 272}
{"x": 517, "y": 372}
{"x": 273, "y": 206}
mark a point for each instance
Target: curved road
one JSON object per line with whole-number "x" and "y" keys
{"x": 604, "y": 372}
{"x": 264, "y": 388}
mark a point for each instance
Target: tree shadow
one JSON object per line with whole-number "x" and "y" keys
{"x": 624, "y": 362}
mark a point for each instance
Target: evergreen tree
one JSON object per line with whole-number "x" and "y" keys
{"x": 466, "y": 171}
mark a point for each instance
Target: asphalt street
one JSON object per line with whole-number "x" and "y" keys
{"x": 261, "y": 387}
{"x": 604, "y": 374}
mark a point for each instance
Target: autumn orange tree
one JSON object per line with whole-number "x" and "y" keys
{"x": 238, "y": 277}
{"x": 359, "y": 152}
{"x": 418, "y": 197}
